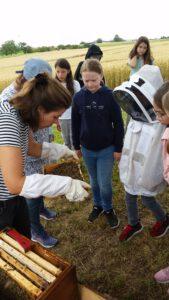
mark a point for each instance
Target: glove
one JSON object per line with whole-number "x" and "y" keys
{"x": 53, "y": 185}
{"x": 77, "y": 191}
{"x": 54, "y": 151}
{"x": 45, "y": 185}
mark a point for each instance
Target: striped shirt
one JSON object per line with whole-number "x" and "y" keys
{"x": 33, "y": 165}
{"x": 14, "y": 133}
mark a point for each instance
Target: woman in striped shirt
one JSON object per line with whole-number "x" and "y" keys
{"x": 39, "y": 104}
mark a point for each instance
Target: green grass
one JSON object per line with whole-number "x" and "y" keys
{"x": 122, "y": 271}
{"x": 117, "y": 270}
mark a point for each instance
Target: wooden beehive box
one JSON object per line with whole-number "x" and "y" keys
{"x": 41, "y": 273}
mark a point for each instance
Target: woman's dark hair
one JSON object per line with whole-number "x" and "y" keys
{"x": 148, "y": 59}
{"x": 44, "y": 92}
{"x": 160, "y": 93}
{"x": 64, "y": 64}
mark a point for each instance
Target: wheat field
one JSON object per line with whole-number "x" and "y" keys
{"x": 114, "y": 61}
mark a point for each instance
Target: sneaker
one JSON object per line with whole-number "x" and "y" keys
{"x": 44, "y": 239}
{"x": 47, "y": 214}
{"x": 112, "y": 219}
{"x": 96, "y": 212}
{"x": 130, "y": 231}
{"x": 162, "y": 276}
{"x": 160, "y": 228}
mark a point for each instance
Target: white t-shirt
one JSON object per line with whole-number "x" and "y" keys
{"x": 67, "y": 114}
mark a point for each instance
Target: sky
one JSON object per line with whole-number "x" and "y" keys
{"x": 54, "y": 22}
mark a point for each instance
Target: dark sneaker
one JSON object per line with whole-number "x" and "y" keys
{"x": 130, "y": 231}
{"x": 47, "y": 214}
{"x": 160, "y": 228}
{"x": 44, "y": 239}
{"x": 97, "y": 210}
{"x": 112, "y": 219}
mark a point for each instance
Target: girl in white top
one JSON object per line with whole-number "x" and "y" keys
{"x": 64, "y": 75}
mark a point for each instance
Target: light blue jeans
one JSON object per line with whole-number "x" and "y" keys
{"x": 100, "y": 165}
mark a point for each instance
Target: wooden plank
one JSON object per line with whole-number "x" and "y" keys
{"x": 41, "y": 283}
{"x": 26, "y": 261}
{"x": 11, "y": 242}
{"x": 20, "y": 279}
{"x": 43, "y": 263}
{"x": 36, "y": 258}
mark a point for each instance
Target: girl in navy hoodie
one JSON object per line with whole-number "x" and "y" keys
{"x": 97, "y": 129}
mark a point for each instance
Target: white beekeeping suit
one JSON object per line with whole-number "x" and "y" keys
{"x": 141, "y": 167}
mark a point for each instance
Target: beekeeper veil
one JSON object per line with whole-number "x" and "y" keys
{"x": 135, "y": 96}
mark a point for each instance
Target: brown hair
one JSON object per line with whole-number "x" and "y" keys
{"x": 42, "y": 91}
{"x": 148, "y": 59}
{"x": 160, "y": 93}
{"x": 64, "y": 64}
{"x": 92, "y": 65}
{"x": 19, "y": 81}
{"x": 165, "y": 102}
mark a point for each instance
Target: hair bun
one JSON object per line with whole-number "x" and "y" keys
{"x": 41, "y": 79}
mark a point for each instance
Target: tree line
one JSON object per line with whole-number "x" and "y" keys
{"x": 11, "y": 47}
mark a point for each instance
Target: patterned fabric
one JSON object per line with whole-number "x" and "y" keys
{"x": 8, "y": 92}
{"x": 35, "y": 165}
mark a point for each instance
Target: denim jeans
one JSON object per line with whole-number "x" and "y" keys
{"x": 149, "y": 202}
{"x": 14, "y": 213}
{"x": 100, "y": 165}
{"x": 34, "y": 207}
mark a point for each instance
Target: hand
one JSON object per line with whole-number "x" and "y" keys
{"x": 77, "y": 190}
{"x": 79, "y": 153}
{"x": 117, "y": 156}
{"x": 70, "y": 153}
{"x": 58, "y": 127}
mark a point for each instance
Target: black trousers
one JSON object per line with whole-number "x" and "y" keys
{"x": 14, "y": 213}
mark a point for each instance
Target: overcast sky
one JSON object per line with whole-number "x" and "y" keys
{"x": 53, "y": 22}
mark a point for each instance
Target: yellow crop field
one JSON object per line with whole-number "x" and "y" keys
{"x": 114, "y": 60}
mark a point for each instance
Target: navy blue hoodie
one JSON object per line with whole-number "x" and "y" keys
{"x": 96, "y": 120}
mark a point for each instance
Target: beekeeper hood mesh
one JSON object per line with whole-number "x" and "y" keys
{"x": 136, "y": 95}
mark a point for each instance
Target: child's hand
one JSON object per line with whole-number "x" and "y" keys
{"x": 79, "y": 153}
{"x": 117, "y": 155}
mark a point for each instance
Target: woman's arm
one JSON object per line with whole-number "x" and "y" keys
{"x": 11, "y": 164}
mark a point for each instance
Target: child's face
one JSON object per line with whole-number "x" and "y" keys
{"x": 161, "y": 116}
{"x": 141, "y": 49}
{"x": 61, "y": 73}
{"x": 92, "y": 80}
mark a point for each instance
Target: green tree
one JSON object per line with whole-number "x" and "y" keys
{"x": 117, "y": 38}
{"x": 99, "y": 41}
{"x": 9, "y": 47}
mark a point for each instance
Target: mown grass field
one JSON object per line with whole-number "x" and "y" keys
{"x": 122, "y": 271}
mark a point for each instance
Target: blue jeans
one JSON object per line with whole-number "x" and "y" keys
{"x": 34, "y": 207}
{"x": 149, "y": 202}
{"x": 100, "y": 165}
